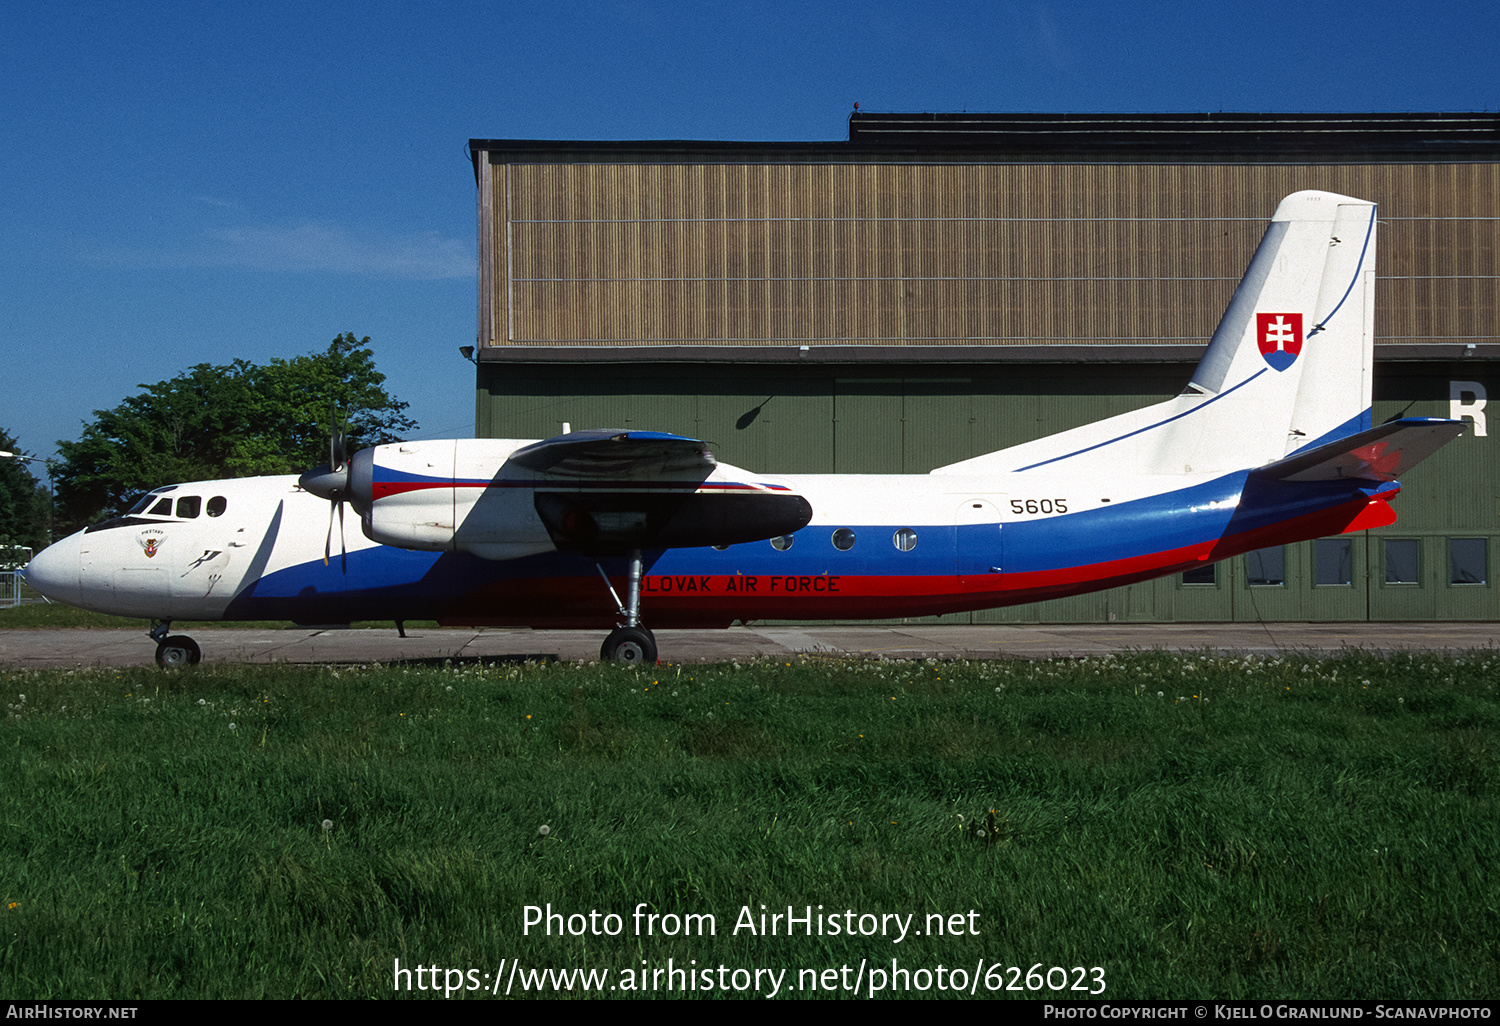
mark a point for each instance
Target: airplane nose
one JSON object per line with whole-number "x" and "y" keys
{"x": 54, "y": 573}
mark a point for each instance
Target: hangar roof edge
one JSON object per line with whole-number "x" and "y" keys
{"x": 1067, "y": 138}
{"x": 1484, "y": 353}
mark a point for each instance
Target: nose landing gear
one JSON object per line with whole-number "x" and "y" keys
{"x": 173, "y": 651}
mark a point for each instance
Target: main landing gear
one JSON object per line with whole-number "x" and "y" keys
{"x": 175, "y": 650}
{"x": 630, "y": 644}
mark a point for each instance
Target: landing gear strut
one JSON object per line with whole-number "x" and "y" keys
{"x": 630, "y": 644}
{"x": 175, "y": 650}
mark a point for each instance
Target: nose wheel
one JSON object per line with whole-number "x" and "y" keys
{"x": 175, "y": 650}
{"x": 630, "y": 644}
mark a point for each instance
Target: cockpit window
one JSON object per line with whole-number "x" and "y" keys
{"x": 162, "y": 508}
{"x": 141, "y": 504}
{"x": 216, "y": 506}
{"x": 188, "y": 506}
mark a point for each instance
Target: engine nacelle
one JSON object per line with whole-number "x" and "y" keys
{"x": 443, "y": 496}
{"x": 597, "y": 493}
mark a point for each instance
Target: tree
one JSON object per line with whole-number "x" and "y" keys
{"x": 23, "y": 505}
{"x": 237, "y": 420}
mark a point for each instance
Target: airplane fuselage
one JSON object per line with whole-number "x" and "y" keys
{"x": 877, "y": 546}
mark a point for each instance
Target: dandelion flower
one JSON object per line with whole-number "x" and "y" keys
{"x": 543, "y": 830}
{"x": 233, "y": 727}
{"x": 327, "y": 825}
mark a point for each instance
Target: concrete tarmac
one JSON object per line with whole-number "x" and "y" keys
{"x": 71, "y": 648}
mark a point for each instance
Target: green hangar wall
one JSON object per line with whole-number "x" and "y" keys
{"x": 942, "y": 286}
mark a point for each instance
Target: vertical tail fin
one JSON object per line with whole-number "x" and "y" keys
{"x": 1301, "y": 320}
{"x": 1288, "y": 366}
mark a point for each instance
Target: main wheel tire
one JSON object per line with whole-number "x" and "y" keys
{"x": 629, "y": 646}
{"x": 177, "y": 651}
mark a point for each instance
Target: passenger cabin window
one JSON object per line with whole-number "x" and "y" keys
{"x": 188, "y": 506}
{"x": 843, "y": 539}
{"x": 216, "y": 506}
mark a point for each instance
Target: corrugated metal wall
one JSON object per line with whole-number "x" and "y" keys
{"x": 889, "y": 254}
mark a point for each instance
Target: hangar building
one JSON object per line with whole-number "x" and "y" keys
{"x": 944, "y": 285}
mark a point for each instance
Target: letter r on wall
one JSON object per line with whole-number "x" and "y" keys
{"x": 1458, "y": 409}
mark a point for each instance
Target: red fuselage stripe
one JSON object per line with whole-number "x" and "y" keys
{"x": 669, "y": 600}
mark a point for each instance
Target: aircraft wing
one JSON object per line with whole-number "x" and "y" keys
{"x": 615, "y": 455}
{"x": 612, "y": 491}
{"x": 1380, "y": 453}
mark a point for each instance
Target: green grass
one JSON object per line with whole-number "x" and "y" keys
{"x": 1194, "y": 827}
{"x": 55, "y": 614}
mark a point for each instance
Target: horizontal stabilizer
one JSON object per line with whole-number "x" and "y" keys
{"x": 617, "y": 455}
{"x": 1380, "y": 453}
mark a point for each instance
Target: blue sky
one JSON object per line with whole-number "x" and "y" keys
{"x": 196, "y": 182}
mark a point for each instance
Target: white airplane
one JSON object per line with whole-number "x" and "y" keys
{"x": 1270, "y": 443}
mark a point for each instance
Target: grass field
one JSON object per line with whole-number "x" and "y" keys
{"x": 1153, "y": 826}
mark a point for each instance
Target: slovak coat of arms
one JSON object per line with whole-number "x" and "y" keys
{"x": 1280, "y": 338}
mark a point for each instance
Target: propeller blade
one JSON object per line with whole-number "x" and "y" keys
{"x": 338, "y": 441}
{"x": 332, "y": 481}
{"x": 328, "y": 540}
